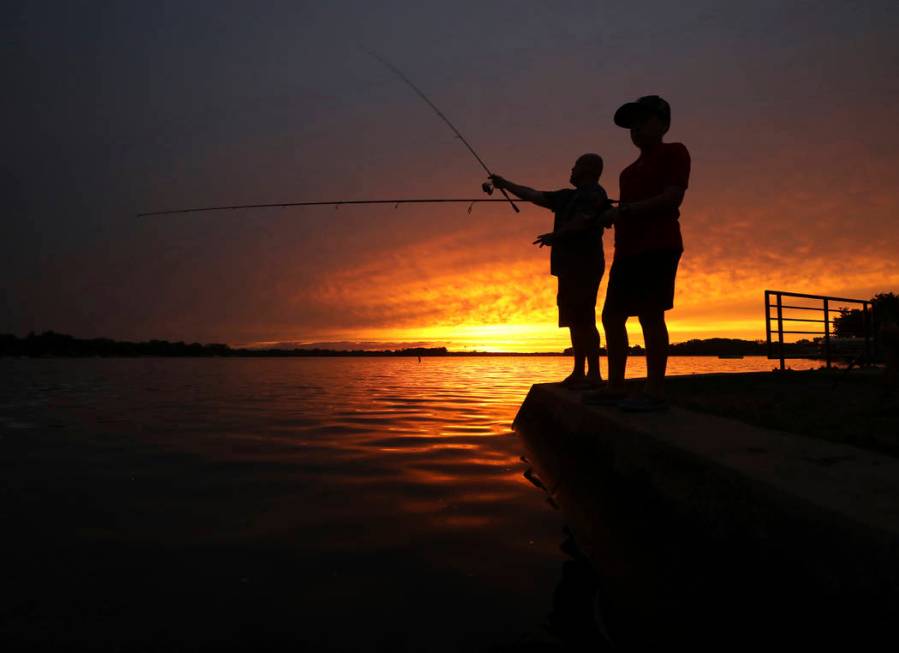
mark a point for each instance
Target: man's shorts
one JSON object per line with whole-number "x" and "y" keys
{"x": 577, "y": 299}
{"x": 643, "y": 283}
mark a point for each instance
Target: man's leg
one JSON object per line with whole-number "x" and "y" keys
{"x": 564, "y": 299}
{"x": 614, "y": 323}
{"x": 655, "y": 333}
{"x": 577, "y": 374}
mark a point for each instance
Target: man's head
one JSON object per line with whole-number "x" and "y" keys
{"x": 586, "y": 170}
{"x": 648, "y": 119}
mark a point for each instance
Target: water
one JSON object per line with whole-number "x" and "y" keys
{"x": 341, "y": 503}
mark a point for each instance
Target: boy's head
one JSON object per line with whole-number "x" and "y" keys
{"x": 648, "y": 119}
{"x": 586, "y": 170}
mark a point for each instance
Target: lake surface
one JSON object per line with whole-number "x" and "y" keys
{"x": 319, "y": 503}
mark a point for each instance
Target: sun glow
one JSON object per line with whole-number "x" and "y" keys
{"x": 478, "y": 337}
{"x": 484, "y": 288}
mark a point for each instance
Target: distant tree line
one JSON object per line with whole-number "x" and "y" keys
{"x": 718, "y": 347}
{"x": 52, "y": 344}
{"x": 851, "y": 323}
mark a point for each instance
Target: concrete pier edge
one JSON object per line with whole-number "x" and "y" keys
{"x": 829, "y": 512}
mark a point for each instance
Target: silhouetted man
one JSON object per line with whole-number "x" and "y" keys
{"x": 648, "y": 246}
{"x": 576, "y": 258}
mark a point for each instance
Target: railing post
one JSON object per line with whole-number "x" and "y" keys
{"x": 780, "y": 330}
{"x": 867, "y": 333}
{"x": 827, "y": 331}
{"x": 768, "y": 320}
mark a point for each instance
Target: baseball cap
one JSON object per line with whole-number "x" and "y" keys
{"x": 629, "y": 113}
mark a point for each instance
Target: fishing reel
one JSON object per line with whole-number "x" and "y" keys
{"x": 487, "y": 187}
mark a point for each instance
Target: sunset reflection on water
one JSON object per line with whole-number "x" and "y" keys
{"x": 393, "y": 433}
{"x": 384, "y": 488}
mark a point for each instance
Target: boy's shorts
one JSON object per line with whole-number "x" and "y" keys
{"x": 577, "y": 300}
{"x": 643, "y": 283}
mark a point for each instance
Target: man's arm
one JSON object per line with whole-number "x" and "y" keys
{"x": 589, "y": 218}
{"x": 581, "y": 223}
{"x": 538, "y": 197}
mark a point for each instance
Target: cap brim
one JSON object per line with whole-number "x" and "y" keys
{"x": 629, "y": 113}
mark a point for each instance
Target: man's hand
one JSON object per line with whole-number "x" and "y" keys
{"x": 545, "y": 239}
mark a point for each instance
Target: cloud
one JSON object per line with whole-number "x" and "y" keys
{"x": 446, "y": 290}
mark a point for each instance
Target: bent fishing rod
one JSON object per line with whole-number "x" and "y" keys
{"x": 486, "y": 186}
{"x": 336, "y": 204}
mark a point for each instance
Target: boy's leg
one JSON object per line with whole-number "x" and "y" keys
{"x": 578, "y": 351}
{"x": 614, "y": 323}
{"x": 655, "y": 333}
{"x": 661, "y": 273}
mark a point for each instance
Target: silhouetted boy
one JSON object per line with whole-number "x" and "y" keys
{"x": 648, "y": 246}
{"x": 576, "y": 258}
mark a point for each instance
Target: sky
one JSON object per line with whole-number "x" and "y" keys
{"x": 788, "y": 109}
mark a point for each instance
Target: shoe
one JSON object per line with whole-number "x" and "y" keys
{"x": 642, "y": 403}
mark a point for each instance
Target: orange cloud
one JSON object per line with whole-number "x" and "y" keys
{"x": 485, "y": 288}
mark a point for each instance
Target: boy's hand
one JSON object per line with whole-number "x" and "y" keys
{"x": 610, "y": 217}
{"x": 498, "y": 182}
{"x": 545, "y": 239}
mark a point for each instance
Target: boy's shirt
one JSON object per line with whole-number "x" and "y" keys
{"x": 580, "y": 253}
{"x": 666, "y": 165}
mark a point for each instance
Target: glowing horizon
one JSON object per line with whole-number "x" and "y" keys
{"x": 500, "y": 297}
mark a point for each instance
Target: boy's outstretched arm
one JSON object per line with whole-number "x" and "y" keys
{"x": 538, "y": 197}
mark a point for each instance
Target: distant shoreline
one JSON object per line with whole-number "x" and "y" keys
{"x": 55, "y": 345}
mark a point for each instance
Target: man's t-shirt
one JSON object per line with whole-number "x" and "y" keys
{"x": 666, "y": 165}
{"x": 579, "y": 253}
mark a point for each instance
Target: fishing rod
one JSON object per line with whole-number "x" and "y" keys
{"x": 486, "y": 185}
{"x": 470, "y": 201}
{"x": 488, "y": 188}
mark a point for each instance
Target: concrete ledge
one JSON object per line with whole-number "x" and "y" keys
{"x": 822, "y": 518}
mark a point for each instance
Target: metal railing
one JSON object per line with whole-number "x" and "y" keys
{"x": 826, "y": 308}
